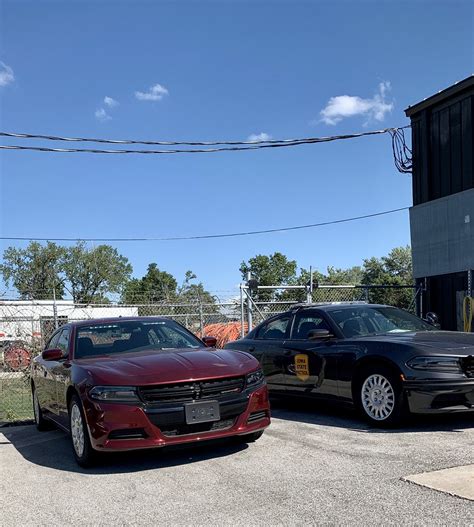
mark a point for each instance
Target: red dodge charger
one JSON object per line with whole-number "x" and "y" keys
{"x": 143, "y": 382}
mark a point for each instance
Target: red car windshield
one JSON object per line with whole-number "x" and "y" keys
{"x": 132, "y": 335}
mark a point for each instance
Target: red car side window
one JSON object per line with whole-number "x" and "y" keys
{"x": 53, "y": 341}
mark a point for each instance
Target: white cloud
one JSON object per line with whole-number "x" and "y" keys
{"x": 155, "y": 93}
{"x": 111, "y": 103}
{"x": 6, "y": 74}
{"x": 259, "y": 137}
{"x": 102, "y": 115}
{"x": 343, "y": 106}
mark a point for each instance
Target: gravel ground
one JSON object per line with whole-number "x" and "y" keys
{"x": 312, "y": 466}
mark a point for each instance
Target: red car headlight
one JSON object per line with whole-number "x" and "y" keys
{"x": 114, "y": 394}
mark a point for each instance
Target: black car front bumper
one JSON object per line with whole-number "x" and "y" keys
{"x": 440, "y": 396}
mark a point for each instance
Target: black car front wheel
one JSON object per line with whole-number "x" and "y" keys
{"x": 379, "y": 396}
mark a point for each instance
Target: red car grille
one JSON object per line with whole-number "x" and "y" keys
{"x": 191, "y": 391}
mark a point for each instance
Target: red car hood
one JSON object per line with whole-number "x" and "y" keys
{"x": 154, "y": 367}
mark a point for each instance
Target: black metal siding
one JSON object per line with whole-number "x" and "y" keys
{"x": 443, "y": 144}
{"x": 440, "y": 297}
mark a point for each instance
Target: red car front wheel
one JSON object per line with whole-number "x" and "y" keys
{"x": 84, "y": 454}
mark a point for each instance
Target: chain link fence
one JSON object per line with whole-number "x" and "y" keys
{"x": 262, "y": 310}
{"x": 26, "y": 325}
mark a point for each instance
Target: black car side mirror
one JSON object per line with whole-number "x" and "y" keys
{"x": 318, "y": 334}
{"x": 433, "y": 319}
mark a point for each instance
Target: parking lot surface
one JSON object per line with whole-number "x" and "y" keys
{"x": 312, "y": 466}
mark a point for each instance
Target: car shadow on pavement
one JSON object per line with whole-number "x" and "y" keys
{"x": 52, "y": 449}
{"x": 338, "y": 416}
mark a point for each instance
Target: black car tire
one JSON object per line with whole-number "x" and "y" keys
{"x": 41, "y": 423}
{"x": 250, "y": 438}
{"x": 87, "y": 456}
{"x": 386, "y": 385}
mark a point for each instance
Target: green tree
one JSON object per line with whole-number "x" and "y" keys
{"x": 275, "y": 269}
{"x": 156, "y": 286}
{"x": 394, "y": 269}
{"x": 35, "y": 271}
{"x": 194, "y": 293}
{"x": 161, "y": 287}
{"x": 94, "y": 273}
{"x": 350, "y": 276}
{"x": 333, "y": 276}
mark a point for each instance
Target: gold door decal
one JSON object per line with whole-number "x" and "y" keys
{"x": 302, "y": 366}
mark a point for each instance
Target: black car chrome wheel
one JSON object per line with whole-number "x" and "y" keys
{"x": 379, "y": 396}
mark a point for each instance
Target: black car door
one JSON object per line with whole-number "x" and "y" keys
{"x": 267, "y": 347}
{"x": 310, "y": 365}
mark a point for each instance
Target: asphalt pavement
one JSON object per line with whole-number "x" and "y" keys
{"x": 311, "y": 467}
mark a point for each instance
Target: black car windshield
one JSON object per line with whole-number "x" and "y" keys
{"x": 132, "y": 335}
{"x": 359, "y": 321}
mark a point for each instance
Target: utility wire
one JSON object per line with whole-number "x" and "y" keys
{"x": 242, "y": 145}
{"x": 193, "y": 143}
{"x": 206, "y": 236}
{"x": 402, "y": 155}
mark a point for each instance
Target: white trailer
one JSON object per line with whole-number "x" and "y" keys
{"x": 32, "y": 321}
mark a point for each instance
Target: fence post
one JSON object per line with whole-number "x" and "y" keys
{"x": 55, "y": 308}
{"x": 242, "y": 312}
{"x": 309, "y": 293}
{"x": 249, "y": 304}
{"x": 201, "y": 319}
{"x": 367, "y": 295}
{"x": 249, "y": 312}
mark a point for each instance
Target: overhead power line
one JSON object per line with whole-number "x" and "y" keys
{"x": 229, "y": 146}
{"x": 193, "y": 143}
{"x": 205, "y": 236}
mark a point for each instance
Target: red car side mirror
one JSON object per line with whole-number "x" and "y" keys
{"x": 210, "y": 342}
{"x": 53, "y": 354}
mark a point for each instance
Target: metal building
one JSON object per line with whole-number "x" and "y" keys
{"x": 442, "y": 216}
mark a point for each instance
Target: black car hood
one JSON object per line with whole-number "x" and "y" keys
{"x": 451, "y": 342}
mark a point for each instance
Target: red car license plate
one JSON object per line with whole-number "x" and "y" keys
{"x": 202, "y": 412}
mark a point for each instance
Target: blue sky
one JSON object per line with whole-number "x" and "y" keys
{"x": 220, "y": 70}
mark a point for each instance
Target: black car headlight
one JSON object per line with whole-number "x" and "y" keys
{"x": 254, "y": 378}
{"x": 114, "y": 394}
{"x": 442, "y": 364}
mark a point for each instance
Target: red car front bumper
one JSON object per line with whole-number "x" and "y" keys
{"x": 109, "y": 423}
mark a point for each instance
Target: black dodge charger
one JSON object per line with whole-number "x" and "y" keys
{"x": 383, "y": 360}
